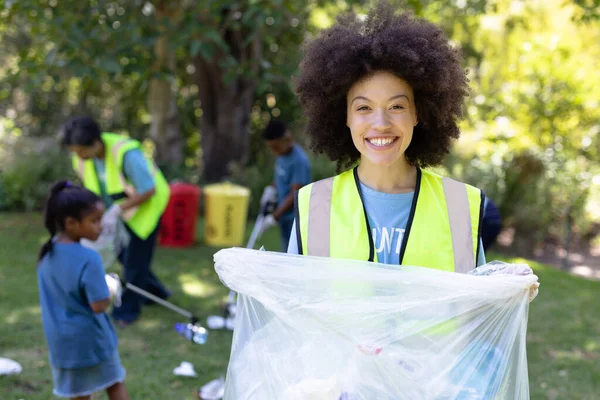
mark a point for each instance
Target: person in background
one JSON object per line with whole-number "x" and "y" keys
{"x": 292, "y": 172}
{"x": 74, "y": 296}
{"x": 134, "y": 190}
{"x": 491, "y": 225}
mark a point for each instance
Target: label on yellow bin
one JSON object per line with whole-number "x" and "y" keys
{"x": 226, "y": 211}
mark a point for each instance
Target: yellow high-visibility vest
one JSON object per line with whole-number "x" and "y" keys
{"x": 442, "y": 232}
{"x": 142, "y": 220}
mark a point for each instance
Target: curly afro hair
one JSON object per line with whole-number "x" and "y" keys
{"x": 412, "y": 49}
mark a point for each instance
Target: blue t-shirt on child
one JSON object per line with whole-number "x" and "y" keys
{"x": 388, "y": 215}
{"x": 69, "y": 279}
{"x": 291, "y": 168}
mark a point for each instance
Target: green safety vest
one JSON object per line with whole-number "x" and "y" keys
{"x": 142, "y": 220}
{"x": 442, "y": 232}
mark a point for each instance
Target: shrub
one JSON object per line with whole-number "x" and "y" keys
{"x": 27, "y": 170}
{"x": 533, "y": 195}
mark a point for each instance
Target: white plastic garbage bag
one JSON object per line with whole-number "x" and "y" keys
{"x": 110, "y": 243}
{"x": 320, "y": 328}
{"x": 213, "y": 390}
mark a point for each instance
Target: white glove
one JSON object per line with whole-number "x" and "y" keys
{"x": 268, "y": 195}
{"x": 114, "y": 287}
{"x": 268, "y": 222}
{"x": 111, "y": 218}
{"x": 500, "y": 268}
{"x": 533, "y": 291}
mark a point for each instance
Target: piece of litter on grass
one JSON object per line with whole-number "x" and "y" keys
{"x": 9, "y": 367}
{"x": 185, "y": 369}
{"x": 213, "y": 390}
{"x": 215, "y": 322}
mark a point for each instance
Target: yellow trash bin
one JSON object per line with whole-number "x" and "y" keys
{"x": 226, "y": 211}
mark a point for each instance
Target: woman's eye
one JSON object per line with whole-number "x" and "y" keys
{"x": 397, "y": 107}
{"x": 362, "y": 108}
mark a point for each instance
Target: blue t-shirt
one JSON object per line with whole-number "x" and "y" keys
{"x": 135, "y": 168}
{"x": 292, "y": 168}
{"x": 388, "y": 215}
{"x": 69, "y": 279}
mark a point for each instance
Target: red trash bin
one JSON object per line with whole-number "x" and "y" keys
{"x": 178, "y": 224}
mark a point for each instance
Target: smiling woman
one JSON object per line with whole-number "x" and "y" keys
{"x": 350, "y": 57}
{"x": 386, "y": 93}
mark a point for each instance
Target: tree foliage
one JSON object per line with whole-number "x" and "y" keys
{"x": 531, "y": 134}
{"x": 199, "y": 80}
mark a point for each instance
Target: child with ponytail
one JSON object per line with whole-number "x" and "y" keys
{"x": 74, "y": 297}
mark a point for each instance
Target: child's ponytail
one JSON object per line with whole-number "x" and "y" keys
{"x": 50, "y": 216}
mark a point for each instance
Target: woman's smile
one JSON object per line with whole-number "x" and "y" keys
{"x": 380, "y": 143}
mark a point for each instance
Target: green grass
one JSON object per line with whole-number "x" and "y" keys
{"x": 563, "y": 338}
{"x": 149, "y": 349}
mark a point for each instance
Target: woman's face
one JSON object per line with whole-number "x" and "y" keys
{"x": 381, "y": 115}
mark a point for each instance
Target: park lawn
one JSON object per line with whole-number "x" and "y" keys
{"x": 563, "y": 336}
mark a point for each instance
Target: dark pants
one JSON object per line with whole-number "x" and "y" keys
{"x": 136, "y": 260}
{"x": 489, "y": 233}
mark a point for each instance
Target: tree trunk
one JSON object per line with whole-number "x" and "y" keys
{"x": 164, "y": 129}
{"x": 226, "y": 106}
{"x": 226, "y": 112}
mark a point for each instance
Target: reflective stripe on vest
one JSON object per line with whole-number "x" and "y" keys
{"x": 319, "y": 217}
{"x": 445, "y": 215}
{"x": 127, "y": 188}
{"x": 459, "y": 213}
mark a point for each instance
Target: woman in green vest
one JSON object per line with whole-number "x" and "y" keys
{"x": 134, "y": 190}
{"x": 382, "y": 96}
